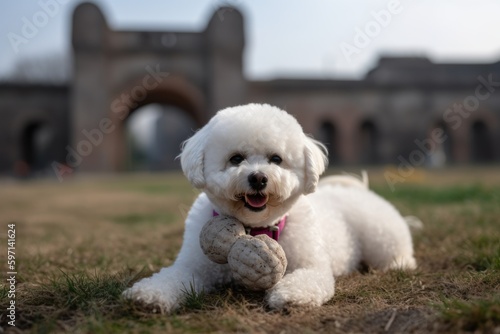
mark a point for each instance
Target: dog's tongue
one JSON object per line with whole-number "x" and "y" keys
{"x": 257, "y": 201}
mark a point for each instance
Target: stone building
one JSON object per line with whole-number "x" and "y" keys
{"x": 34, "y": 127}
{"x": 405, "y": 109}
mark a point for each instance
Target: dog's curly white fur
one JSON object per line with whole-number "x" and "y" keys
{"x": 332, "y": 224}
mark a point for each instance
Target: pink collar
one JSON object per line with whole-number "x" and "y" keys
{"x": 271, "y": 231}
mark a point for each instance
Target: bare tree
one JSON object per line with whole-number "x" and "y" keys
{"x": 55, "y": 69}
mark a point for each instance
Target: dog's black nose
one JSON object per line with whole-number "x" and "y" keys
{"x": 257, "y": 180}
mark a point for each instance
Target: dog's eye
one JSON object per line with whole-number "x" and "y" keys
{"x": 275, "y": 159}
{"x": 236, "y": 159}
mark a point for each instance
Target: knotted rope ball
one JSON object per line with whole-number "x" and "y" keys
{"x": 257, "y": 263}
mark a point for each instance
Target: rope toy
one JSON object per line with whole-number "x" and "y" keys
{"x": 257, "y": 263}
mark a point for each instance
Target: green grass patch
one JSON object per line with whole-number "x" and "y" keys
{"x": 145, "y": 218}
{"x": 87, "y": 292}
{"x": 444, "y": 195}
{"x": 483, "y": 315}
{"x": 481, "y": 253}
{"x": 71, "y": 297}
{"x": 4, "y": 292}
{"x": 193, "y": 299}
{"x": 162, "y": 184}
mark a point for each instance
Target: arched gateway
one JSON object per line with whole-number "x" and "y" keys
{"x": 117, "y": 72}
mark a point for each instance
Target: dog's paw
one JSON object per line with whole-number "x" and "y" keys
{"x": 151, "y": 297}
{"x": 277, "y": 300}
{"x": 403, "y": 263}
{"x": 304, "y": 288}
{"x": 281, "y": 297}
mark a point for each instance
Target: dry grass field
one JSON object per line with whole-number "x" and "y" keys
{"x": 80, "y": 243}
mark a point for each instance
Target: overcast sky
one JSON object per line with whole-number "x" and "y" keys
{"x": 286, "y": 38}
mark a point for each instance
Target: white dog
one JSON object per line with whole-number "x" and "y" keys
{"x": 255, "y": 163}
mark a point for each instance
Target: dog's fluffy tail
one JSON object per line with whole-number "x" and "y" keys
{"x": 361, "y": 181}
{"x": 414, "y": 222}
{"x": 347, "y": 180}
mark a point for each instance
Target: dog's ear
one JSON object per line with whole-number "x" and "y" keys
{"x": 192, "y": 158}
{"x": 316, "y": 160}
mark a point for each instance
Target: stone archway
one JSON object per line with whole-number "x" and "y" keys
{"x": 154, "y": 135}
{"x": 174, "y": 91}
{"x": 199, "y": 72}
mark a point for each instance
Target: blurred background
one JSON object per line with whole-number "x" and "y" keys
{"x": 113, "y": 86}
{"x": 408, "y": 90}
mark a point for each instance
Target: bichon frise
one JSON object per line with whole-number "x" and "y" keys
{"x": 255, "y": 163}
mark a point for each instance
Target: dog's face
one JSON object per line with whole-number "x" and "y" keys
{"x": 253, "y": 162}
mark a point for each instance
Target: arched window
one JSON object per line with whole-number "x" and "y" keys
{"x": 35, "y": 143}
{"x": 154, "y": 134}
{"x": 368, "y": 143}
{"x": 327, "y": 135}
{"x": 439, "y": 148}
{"x": 481, "y": 142}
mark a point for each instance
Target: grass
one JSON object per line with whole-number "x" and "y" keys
{"x": 473, "y": 315}
{"x": 194, "y": 300}
{"x": 149, "y": 218}
{"x": 67, "y": 296}
{"x": 451, "y": 194}
{"x": 79, "y": 244}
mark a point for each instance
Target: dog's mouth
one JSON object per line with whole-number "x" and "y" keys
{"x": 255, "y": 202}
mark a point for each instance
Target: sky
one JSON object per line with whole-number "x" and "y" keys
{"x": 284, "y": 38}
